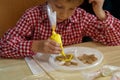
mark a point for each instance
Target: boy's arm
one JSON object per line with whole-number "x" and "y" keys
{"x": 105, "y": 31}
{"x": 16, "y": 43}
{"x": 98, "y": 8}
{"x": 23, "y": 39}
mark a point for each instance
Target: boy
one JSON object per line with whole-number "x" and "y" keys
{"x": 32, "y": 32}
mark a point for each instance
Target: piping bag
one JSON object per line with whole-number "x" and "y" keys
{"x": 55, "y": 36}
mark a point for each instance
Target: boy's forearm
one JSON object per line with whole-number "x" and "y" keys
{"x": 101, "y": 14}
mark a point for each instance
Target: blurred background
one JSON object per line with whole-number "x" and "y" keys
{"x": 12, "y": 10}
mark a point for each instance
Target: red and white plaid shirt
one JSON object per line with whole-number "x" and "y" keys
{"x": 35, "y": 25}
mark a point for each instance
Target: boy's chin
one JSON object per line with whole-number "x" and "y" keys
{"x": 58, "y": 21}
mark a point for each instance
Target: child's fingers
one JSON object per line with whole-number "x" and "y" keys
{"x": 92, "y": 1}
{"x": 53, "y": 42}
{"x": 52, "y": 47}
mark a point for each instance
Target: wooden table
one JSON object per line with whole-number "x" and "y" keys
{"x": 17, "y": 69}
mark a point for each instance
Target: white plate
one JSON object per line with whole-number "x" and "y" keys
{"x": 77, "y": 51}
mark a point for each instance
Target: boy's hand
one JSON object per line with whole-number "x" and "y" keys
{"x": 98, "y": 8}
{"x": 46, "y": 46}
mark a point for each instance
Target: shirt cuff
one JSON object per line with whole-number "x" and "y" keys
{"x": 25, "y": 48}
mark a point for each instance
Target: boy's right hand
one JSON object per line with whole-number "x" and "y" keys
{"x": 46, "y": 46}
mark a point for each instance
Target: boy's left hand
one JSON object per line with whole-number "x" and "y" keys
{"x": 98, "y": 8}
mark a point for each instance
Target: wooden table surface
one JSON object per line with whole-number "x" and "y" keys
{"x": 17, "y": 69}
